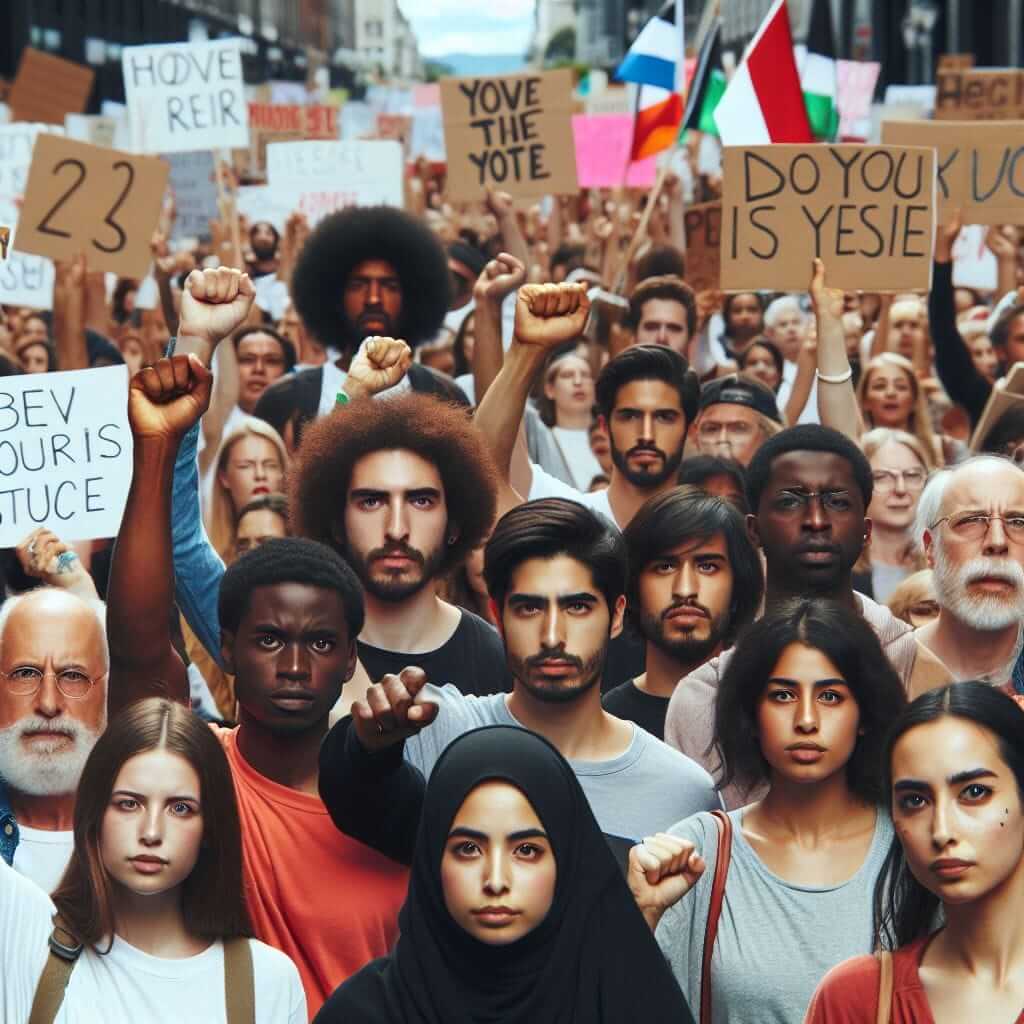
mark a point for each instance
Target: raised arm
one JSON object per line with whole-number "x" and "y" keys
{"x": 1005, "y": 251}
{"x": 512, "y": 239}
{"x": 837, "y": 403}
{"x": 499, "y": 278}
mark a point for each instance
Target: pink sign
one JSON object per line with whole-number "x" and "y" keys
{"x": 603, "y": 143}
{"x": 855, "y": 89}
{"x": 427, "y": 95}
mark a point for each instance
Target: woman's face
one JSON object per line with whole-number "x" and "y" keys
{"x": 600, "y": 445}
{"x": 252, "y": 467}
{"x": 570, "y": 385}
{"x": 759, "y": 364}
{"x": 807, "y": 717}
{"x": 888, "y": 397}
{"x": 34, "y": 359}
{"x": 983, "y": 355}
{"x": 924, "y": 604}
{"x": 153, "y": 826}
{"x": 957, "y": 810}
{"x": 899, "y": 479}
{"x": 498, "y": 869}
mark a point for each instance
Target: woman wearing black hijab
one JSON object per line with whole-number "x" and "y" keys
{"x": 549, "y": 934}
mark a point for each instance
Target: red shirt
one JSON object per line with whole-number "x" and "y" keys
{"x": 323, "y": 898}
{"x": 848, "y": 994}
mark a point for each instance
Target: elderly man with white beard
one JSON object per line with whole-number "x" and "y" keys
{"x": 53, "y": 705}
{"x": 970, "y": 519}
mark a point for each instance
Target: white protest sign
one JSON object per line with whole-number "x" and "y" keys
{"x": 974, "y": 264}
{"x": 65, "y": 453}
{"x": 327, "y": 176}
{"x": 427, "y": 136}
{"x": 186, "y": 96}
{"x": 16, "y": 143}
{"x": 195, "y": 193}
{"x": 93, "y": 128}
{"x": 25, "y": 280}
{"x": 261, "y": 202}
{"x": 358, "y": 120}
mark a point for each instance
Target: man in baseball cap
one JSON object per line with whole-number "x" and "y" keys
{"x": 737, "y": 414}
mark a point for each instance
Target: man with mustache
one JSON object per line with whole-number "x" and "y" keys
{"x": 646, "y": 395}
{"x": 971, "y": 523}
{"x": 695, "y": 580}
{"x": 808, "y": 488}
{"x": 53, "y": 707}
{"x": 556, "y": 573}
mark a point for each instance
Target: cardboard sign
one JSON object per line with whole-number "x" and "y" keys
{"x": 49, "y": 87}
{"x": 980, "y": 168}
{"x": 986, "y": 94}
{"x": 195, "y": 194}
{"x": 867, "y": 211}
{"x": 955, "y": 61}
{"x": 102, "y": 202}
{"x": 185, "y": 96}
{"x": 65, "y": 453}
{"x": 323, "y": 177}
{"x": 16, "y": 144}
{"x": 703, "y": 224}
{"x": 512, "y": 133}
{"x": 603, "y": 145}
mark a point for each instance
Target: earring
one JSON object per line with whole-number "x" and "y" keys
{"x": 451, "y": 541}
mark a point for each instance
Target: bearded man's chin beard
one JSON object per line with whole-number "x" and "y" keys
{"x": 44, "y": 772}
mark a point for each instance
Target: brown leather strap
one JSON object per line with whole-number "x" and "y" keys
{"x": 239, "y": 987}
{"x": 885, "y": 981}
{"x": 53, "y": 982}
{"x": 724, "y": 824}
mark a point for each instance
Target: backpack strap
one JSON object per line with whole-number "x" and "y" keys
{"x": 239, "y": 986}
{"x": 885, "y": 986}
{"x": 724, "y": 827}
{"x": 53, "y": 982}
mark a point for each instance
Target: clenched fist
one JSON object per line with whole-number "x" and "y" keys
{"x": 167, "y": 398}
{"x": 214, "y": 303}
{"x": 548, "y": 315}
{"x": 379, "y": 364}
{"x": 662, "y": 870}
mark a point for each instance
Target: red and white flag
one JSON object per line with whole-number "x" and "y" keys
{"x": 764, "y": 101}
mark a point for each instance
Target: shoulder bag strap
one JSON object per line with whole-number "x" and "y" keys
{"x": 724, "y": 824}
{"x": 239, "y": 986}
{"x": 53, "y": 982}
{"x": 885, "y": 984}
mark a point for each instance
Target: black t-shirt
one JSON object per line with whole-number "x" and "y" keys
{"x": 645, "y": 709}
{"x": 473, "y": 658}
{"x": 626, "y": 659}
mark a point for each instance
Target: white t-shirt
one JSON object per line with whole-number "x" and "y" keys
{"x": 127, "y": 984}
{"x": 43, "y": 855}
{"x": 545, "y": 485}
{"x": 575, "y": 445}
{"x": 271, "y": 295}
{"x": 809, "y": 413}
{"x": 334, "y": 381}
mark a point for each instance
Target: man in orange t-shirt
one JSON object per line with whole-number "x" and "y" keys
{"x": 290, "y": 612}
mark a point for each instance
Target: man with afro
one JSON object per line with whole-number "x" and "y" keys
{"x": 364, "y": 271}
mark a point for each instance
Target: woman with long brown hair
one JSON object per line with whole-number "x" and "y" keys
{"x": 150, "y": 921}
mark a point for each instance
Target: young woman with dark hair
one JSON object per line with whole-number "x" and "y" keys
{"x": 517, "y": 911}
{"x": 802, "y": 706}
{"x": 150, "y": 920}
{"x": 949, "y": 902}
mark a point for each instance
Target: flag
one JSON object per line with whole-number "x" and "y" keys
{"x": 763, "y": 102}
{"x": 707, "y": 85}
{"x": 818, "y": 74}
{"x": 655, "y": 63}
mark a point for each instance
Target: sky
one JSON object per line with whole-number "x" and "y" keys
{"x": 470, "y": 26}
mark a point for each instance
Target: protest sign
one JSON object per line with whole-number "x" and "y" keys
{"x": 83, "y": 198}
{"x": 65, "y": 453}
{"x": 979, "y": 94}
{"x": 867, "y": 211}
{"x": 615, "y": 99}
{"x": 955, "y": 61}
{"x": 92, "y": 128}
{"x": 286, "y": 122}
{"x": 185, "y": 96}
{"x": 855, "y": 89}
{"x": 703, "y": 225}
{"x": 427, "y": 136}
{"x": 974, "y": 264}
{"x": 16, "y": 143}
{"x": 603, "y": 146}
{"x": 512, "y": 133}
{"x": 323, "y": 177}
{"x": 26, "y": 280}
{"x": 980, "y": 168}
{"x": 48, "y": 87}
{"x": 920, "y": 96}
{"x": 195, "y": 193}
{"x": 261, "y": 202}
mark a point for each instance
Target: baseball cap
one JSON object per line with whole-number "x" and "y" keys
{"x": 737, "y": 390}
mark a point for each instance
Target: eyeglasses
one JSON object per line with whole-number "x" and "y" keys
{"x": 793, "y": 502}
{"x": 909, "y": 479}
{"x": 26, "y": 680}
{"x": 975, "y": 525}
{"x": 737, "y": 430}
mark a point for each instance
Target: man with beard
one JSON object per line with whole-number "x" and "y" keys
{"x": 271, "y": 291}
{"x": 695, "y": 580}
{"x": 971, "y": 523}
{"x": 556, "y": 573}
{"x": 363, "y": 271}
{"x": 646, "y": 397}
{"x": 53, "y": 704}
{"x": 808, "y": 489}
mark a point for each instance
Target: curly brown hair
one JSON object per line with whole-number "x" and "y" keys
{"x": 440, "y": 432}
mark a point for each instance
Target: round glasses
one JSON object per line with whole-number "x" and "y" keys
{"x": 737, "y": 430}
{"x": 975, "y": 525}
{"x": 909, "y": 479}
{"x": 26, "y": 680}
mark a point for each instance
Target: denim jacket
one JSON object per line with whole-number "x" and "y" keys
{"x": 8, "y": 827}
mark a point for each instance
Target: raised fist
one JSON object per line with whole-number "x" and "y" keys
{"x": 662, "y": 870}
{"x": 167, "y": 398}
{"x": 393, "y": 710}
{"x": 214, "y": 303}
{"x": 379, "y": 364}
{"x": 548, "y": 315}
{"x": 500, "y": 276}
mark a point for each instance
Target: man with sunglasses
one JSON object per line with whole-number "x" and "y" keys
{"x": 53, "y": 708}
{"x": 808, "y": 488}
{"x": 970, "y": 521}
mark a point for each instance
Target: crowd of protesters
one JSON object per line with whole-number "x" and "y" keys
{"x": 478, "y": 647}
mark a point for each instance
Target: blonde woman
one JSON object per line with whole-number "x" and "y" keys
{"x": 252, "y": 460}
{"x": 900, "y": 466}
